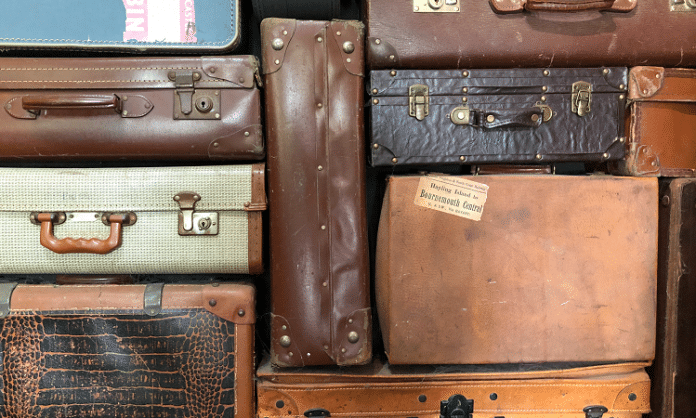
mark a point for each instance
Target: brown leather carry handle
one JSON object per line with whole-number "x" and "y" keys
{"x": 81, "y": 245}
{"x": 82, "y": 279}
{"x": 35, "y": 104}
{"x": 511, "y": 6}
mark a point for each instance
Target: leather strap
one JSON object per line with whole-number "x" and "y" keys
{"x": 564, "y": 6}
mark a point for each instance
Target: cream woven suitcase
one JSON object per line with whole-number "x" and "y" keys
{"x": 131, "y": 220}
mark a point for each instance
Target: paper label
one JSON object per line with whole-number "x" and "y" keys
{"x": 160, "y": 21}
{"x": 452, "y": 195}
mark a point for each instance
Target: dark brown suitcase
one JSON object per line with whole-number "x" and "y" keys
{"x": 503, "y": 115}
{"x": 674, "y": 371}
{"x": 319, "y": 268}
{"x": 529, "y": 33}
{"x": 662, "y": 128}
{"x": 155, "y": 108}
{"x": 154, "y": 350}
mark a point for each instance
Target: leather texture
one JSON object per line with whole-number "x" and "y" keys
{"x": 319, "y": 265}
{"x": 559, "y": 268}
{"x": 506, "y": 120}
{"x": 386, "y": 392}
{"x": 662, "y": 126}
{"x": 92, "y": 351}
{"x": 69, "y": 109}
{"x": 399, "y": 37}
{"x": 674, "y": 372}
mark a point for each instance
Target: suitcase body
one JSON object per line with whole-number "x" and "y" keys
{"x": 319, "y": 268}
{"x": 674, "y": 373}
{"x": 623, "y": 390}
{"x": 127, "y": 350}
{"x": 132, "y": 26}
{"x": 132, "y": 220}
{"x": 483, "y": 116}
{"x": 203, "y": 108}
{"x": 662, "y": 134}
{"x": 413, "y": 34}
{"x": 552, "y": 261}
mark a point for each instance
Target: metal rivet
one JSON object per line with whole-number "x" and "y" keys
{"x": 125, "y": 113}
{"x": 241, "y": 79}
{"x": 319, "y": 105}
{"x": 605, "y": 71}
{"x": 247, "y": 204}
{"x": 422, "y": 398}
{"x": 348, "y": 60}
{"x": 462, "y": 158}
{"x": 460, "y": 115}
{"x": 309, "y": 354}
{"x": 653, "y": 163}
{"x": 284, "y": 327}
{"x": 415, "y": 9}
{"x": 215, "y": 144}
{"x": 215, "y": 284}
{"x": 465, "y": 90}
{"x": 544, "y": 88}
{"x": 276, "y": 62}
{"x": 375, "y": 101}
{"x": 319, "y": 39}
{"x": 391, "y": 57}
{"x": 464, "y": 99}
{"x": 325, "y": 284}
{"x": 535, "y": 118}
{"x": 395, "y": 160}
{"x": 326, "y": 347}
{"x": 277, "y": 44}
{"x": 456, "y": 9}
{"x": 538, "y": 157}
{"x": 172, "y": 75}
{"x": 285, "y": 32}
{"x": 605, "y": 155}
{"x": 343, "y": 350}
{"x": 124, "y": 98}
{"x": 217, "y": 116}
{"x": 621, "y": 97}
{"x": 212, "y": 302}
{"x": 285, "y": 341}
{"x": 493, "y": 396}
{"x": 465, "y": 73}
{"x": 375, "y": 146}
{"x": 348, "y": 47}
{"x": 280, "y": 404}
{"x": 320, "y": 168}
{"x": 196, "y": 75}
{"x": 622, "y": 139}
{"x": 665, "y": 200}
{"x": 546, "y": 72}
{"x": 338, "y": 33}
{"x": 657, "y": 75}
{"x": 217, "y": 92}
{"x": 246, "y": 134}
{"x": 350, "y": 321}
{"x": 353, "y": 337}
{"x": 148, "y": 105}
{"x": 377, "y": 41}
{"x": 290, "y": 354}
{"x": 241, "y": 312}
{"x": 375, "y": 91}
{"x": 177, "y": 197}
{"x": 392, "y": 73}
{"x": 645, "y": 91}
{"x": 323, "y": 227}
{"x": 632, "y": 397}
{"x": 490, "y": 118}
{"x": 543, "y": 98}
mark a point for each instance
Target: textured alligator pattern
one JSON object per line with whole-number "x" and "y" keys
{"x": 117, "y": 365}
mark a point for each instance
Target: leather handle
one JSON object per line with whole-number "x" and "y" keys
{"x": 35, "y": 104}
{"x": 499, "y": 118}
{"x": 81, "y": 245}
{"x": 567, "y": 5}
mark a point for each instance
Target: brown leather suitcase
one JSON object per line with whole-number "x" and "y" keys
{"x": 499, "y": 115}
{"x": 555, "y": 269}
{"x": 662, "y": 126}
{"x": 674, "y": 371}
{"x": 155, "y": 108}
{"x": 127, "y": 350}
{"x": 319, "y": 264}
{"x": 529, "y": 33}
{"x": 378, "y": 390}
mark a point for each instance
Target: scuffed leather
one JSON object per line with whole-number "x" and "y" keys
{"x": 645, "y": 82}
{"x": 275, "y": 28}
{"x": 508, "y": 6}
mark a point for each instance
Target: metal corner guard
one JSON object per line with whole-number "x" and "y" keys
{"x": 152, "y": 298}
{"x": 6, "y": 290}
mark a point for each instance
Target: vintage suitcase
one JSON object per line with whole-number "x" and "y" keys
{"x": 662, "y": 133}
{"x": 674, "y": 371}
{"x": 132, "y": 26}
{"x": 131, "y": 220}
{"x": 319, "y": 263}
{"x": 529, "y": 33}
{"x": 612, "y": 390}
{"x": 127, "y": 350}
{"x": 202, "y": 108}
{"x": 547, "y": 268}
{"x": 510, "y": 115}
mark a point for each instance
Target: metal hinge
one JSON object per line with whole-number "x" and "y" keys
{"x": 436, "y": 6}
{"x": 456, "y": 406}
{"x": 581, "y": 98}
{"x": 191, "y": 222}
{"x": 418, "y": 101}
{"x": 595, "y": 411}
{"x": 193, "y": 103}
{"x": 682, "y": 6}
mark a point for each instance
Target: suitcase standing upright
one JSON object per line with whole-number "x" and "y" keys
{"x": 506, "y": 115}
{"x": 517, "y": 269}
{"x": 319, "y": 268}
{"x": 127, "y": 350}
{"x": 662, "y": 132}
{"x": 529, "y": 33}
{"x": 674, "y": 371}
{"x": 156, "y": 108}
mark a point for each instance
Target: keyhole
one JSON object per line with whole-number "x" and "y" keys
{"x": 436, "y": 4}
{"x": 204, "y": 104}
{"x": 204, "y": 224}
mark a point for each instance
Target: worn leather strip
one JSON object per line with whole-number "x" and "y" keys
{"x": 662, "y": 84}
{"x": 274, "y": 30}
{"x": 255, "y": 218}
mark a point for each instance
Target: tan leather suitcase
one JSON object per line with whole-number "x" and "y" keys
{"x": 662, "y": 126}
{"x": 151, "y": 350}
{"x": 556, "y": 269}
{"x": 378, "y": 390}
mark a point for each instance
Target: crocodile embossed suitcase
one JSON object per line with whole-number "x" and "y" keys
{"x": 502, "y": 115}
{"x": 154, "y": 350}
{"x": 154, "y": 108}
{"x": 132, "y": 220}
{"x": 516, "y": 391}
{"x": 319, "y": 264}
{"x": 517, "y": 269}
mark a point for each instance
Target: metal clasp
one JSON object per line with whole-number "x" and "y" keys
{"x": 456, "y": 406}
{"x": 418, "y": 101}
{"x": 682, "y": 6}
{"x": 436, "y": 6}
{"x": 460, "y": 115}
{"x": 192, "y": 222}
{"x": 192, "y": 103}
{"x": 595, "y": 411}
{"x": 581, "y": 98}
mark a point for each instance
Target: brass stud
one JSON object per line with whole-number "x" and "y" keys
{"x": 645, "y": 91}
{"x": 377, "y": 41}
{"x": 622, "y": 139}
{"x": 217, "y": 92}
{"x": 621, "y": 97}
{"x": 490, "y": 118}
{"x": 544, "y": 88}
{"x": 605, "y": 71}
{"x": 241, "y": 80}
{"x": 323, "y": 227}
{"x": 392, "y": 57}
{"x": 456, "y": 9}
{"x": 465, "y": 73}
{"x": 124, "y": 113}
{"x": 546, "y": 72}
{"x": 325, "y": 284}
{"x": 375, "y": 91}
{"x": 605, "y": 155}
{"x": 177, "y": 197}
{"x": 320, "y": 168}
{"x": 285, "y": 341}
{"x": 353, "y": 337}
{"x": 348, "y": 47}
{"x": 212, "y": 302}
{"x": 276, "y": 62}
{"x": 621, "y": 86}
{"x": 148, "y": 105}
{"x": 415, "y": 8}
{"x": 284, "y": 327}
{"x": 326, "y": 347}
{"x": 464, "y": 99}
{"x": 215, "y": 284}
{"x": 196, "y": 76}
{"x": 319, "y": 105}
{"x": 212, "y": 69}
{"x": 290, "y": 354}
{"x": 343, "y": 350}
{"x": 285, "y": 32}
{"x": 392, "y": 73}
{"x": 348, "y": 60}
{"x": 215, "y": 144}
{"x": 277, "y": 44}
{"x": 375, "y": 101}
{"x": 241, "y": 312}
{"x": 124, "y": 98}
{"x": 543, "y": 98}
{"x": 217, "y": 116}
{"x": 338, "y": 33}
{"x": 375, "y": 146}
{"x": 538, "y": 157}
{"x": 395, "y": 160}
{"x": 320, "y": 39}
{"x": 535, "y": 118}
{"x": 350, "y": 321}
{"x": 657, "y": 75}
{"x": 171, "y": 75}
{"x": 246, "y": 133}
{"x": 465, "y": 90}
{"x": 462, "y": 158}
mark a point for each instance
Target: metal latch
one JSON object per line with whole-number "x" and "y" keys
{"x": 595, "y": 411}
{"x": 682, "y": 5}
{"x": 192, "y": 222}
{"x": 6, "y": 290}
{"x": 317, "y": 412}
{"x": 436, "y": 6}
{"x": 581, "y": 98}
{"x": 456, "y": 406}
{"x": 152, "y": 298}
{"x": 193, "y": 103}
{"x": 418, "y": 101}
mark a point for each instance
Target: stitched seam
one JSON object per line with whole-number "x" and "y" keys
{"x": 97, "y": 68}
{"x": 98, "y": 81}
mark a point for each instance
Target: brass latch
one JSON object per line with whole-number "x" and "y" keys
{"x": 418, "y": 101}
{"x": 581, "y": 98}
{"x": 192, "y": 222}
{"x": 682, "y": 6}
{"x": 193, "y": 103}
{"x": 436, "y": 6}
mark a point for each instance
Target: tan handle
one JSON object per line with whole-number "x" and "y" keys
{"x": 35, "y": 104}
{"x": 568, "y": 5}
{"x": 81, "y": 245}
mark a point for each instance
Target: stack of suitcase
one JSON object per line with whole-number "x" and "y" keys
{"x": 476, "y": 210}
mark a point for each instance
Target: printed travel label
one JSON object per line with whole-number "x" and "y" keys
{"x": 452, "y": 195}
{"x": 160, "y": 21}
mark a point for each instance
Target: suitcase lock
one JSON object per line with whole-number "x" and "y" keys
{"x": 418, "y": 101}
{"x": 581, "y": 98}
{"x": 192, "y": 103}
{"x": 456, "y": 406}
{"x": 192, "y": 222}
{"x": 436, "y": 6}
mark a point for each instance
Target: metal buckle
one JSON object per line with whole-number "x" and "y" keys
{"x": 682, "y": 6}
{"x": 418, "y": 101}
{"x": 191, "y": 222}
{"x": 581, "y": 98}
{"x": 546, "y": 110}
{"x": 436, "y": 6}
{"x": 460, "y": 115}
